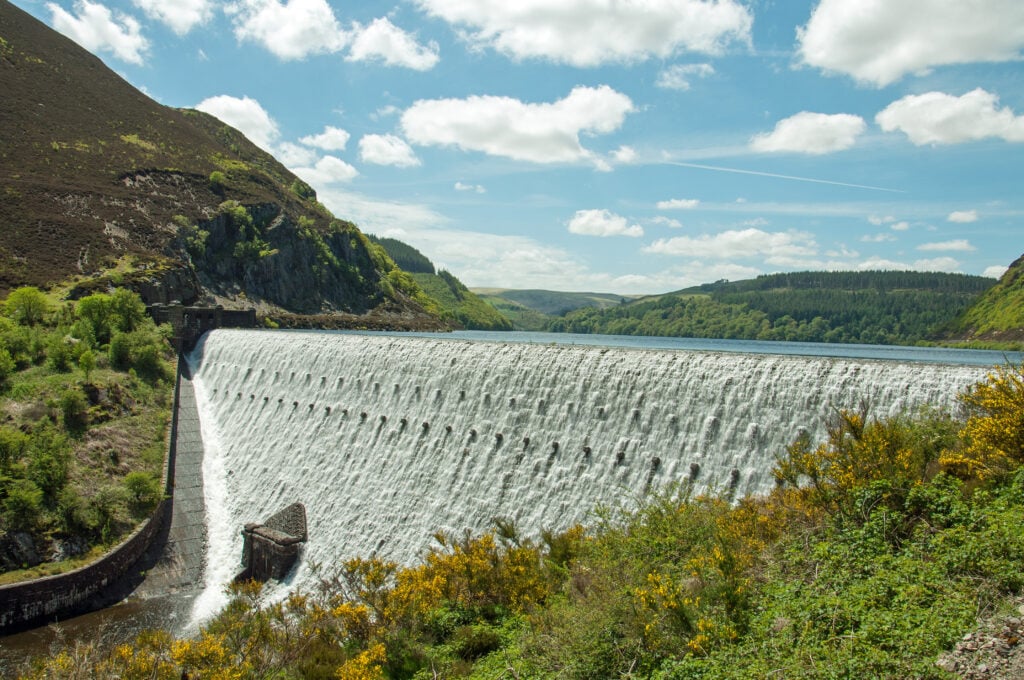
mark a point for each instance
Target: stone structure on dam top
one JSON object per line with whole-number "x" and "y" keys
{"x": 386, "y": 439}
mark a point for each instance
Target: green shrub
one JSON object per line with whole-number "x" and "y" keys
{"x": 73, "y": 410}
{"x": 23, "y": 505}
{"x": 217, "y": 181}
{"x": 27, "y": 305}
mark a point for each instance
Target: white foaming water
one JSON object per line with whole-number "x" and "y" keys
{"x": 387, "y": 440}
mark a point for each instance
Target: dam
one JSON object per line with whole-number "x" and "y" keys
{"x": 387, "y": 440}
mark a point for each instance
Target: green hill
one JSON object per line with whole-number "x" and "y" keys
{"x": 535, "y": 310}
{"x": 855, "y": 307}
{"x": 997, "y": 318}
{"x": 102, "y": 185}
{"x": 458, "y": 305}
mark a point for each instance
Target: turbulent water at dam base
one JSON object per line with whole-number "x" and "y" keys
{"x": 388, "y": 439}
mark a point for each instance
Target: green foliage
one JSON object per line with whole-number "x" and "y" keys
{"x": 143, "y": 490}
{"x": 73, "y": 410}
{"x": 459, "y": 304}
{"x": 141, "y": 351}
{"x": 87, "y": 363}
{"x": 7, "y": 365}
{"x": 27, "y": 306}
{"x": 70, "y": 438}
{"x": 302, "y": 190}
{"x": 404, "y": 255}
{"x": 217, "y": 182}
{"x": 1001, "y": 309}
{"x": 22, "y": 505}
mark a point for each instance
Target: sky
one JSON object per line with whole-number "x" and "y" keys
{"x": 621, "y": 146}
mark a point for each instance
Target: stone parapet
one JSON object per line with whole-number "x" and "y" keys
{"x": 269, "y": 550}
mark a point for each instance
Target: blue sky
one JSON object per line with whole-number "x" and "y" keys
{"x": 615, "y": 145}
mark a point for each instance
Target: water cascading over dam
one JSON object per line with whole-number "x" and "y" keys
{"x": 387, "y": 439}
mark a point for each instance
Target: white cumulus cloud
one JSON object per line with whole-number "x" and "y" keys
{"x": 328, "y": 170}
{"x": 245, "y": 114}
{"x": 963, "y": 216}
{"x": 97, "y": 29}
{"x": 666, "y": 222}
{"x": 384, "y": 41}
{"x": 996, "y": 271}
{"x": 181, "y": 15}
{"x": 602, "y": 223}
{"x": 940, "y": 118}
{"x": 938, "y": 264}
{"x": 811, "y": 133}
{"x": 592, "y": 32}
{"x": 503, "y": 126}
{"x": 294, "y": 29}
{"x": 331, "y": 139}
{"x": 776, "y": 247}
{"x": 293, "y": 155}
{"x": 956, "y": 245}
{"x": 877, "y": 238}
{"x": 624, "y": 154}
{"x": 679, "y": 204}
{"x": 680, "y": 76}
{"x": 880, "y": 41}
{"x": 387, "y": 150}
{"x": 477, "y": 188}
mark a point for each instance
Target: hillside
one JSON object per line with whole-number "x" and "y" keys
{"x": 998, "y": 316}
{"x": 854, "y": 307}
{"x": 535, "y": 310}
{"x": 103, "y": 185}
{"x": 458, "y": 305}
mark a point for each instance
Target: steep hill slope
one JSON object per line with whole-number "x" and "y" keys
{"x": 998, "y": 317}
{"x": 101, "y": 183}
{"x": 457, "y": 303}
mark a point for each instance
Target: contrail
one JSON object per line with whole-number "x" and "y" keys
{"x": 777, "y": 176}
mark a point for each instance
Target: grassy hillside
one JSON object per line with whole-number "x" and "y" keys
{"x": 997, "y": 319}
{"x": 456, "y": 303}
{"x": 857, "y": 307}
{"x": 535, "y": 310}
{"x": 102, "y": 185}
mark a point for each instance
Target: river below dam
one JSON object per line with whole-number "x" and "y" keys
{"x": 388, "y": 438}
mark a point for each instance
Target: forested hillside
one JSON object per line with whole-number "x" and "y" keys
{"x": 854, "y": 307}
{"x": 457, "y": 304}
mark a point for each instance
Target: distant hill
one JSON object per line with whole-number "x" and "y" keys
{"x": 536, "y": 310}
{"x": 855, "y": 307}
{"x": 101, "y": 185}
{"x": 998, "y": 316}
{"x": 458, "y": 305}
